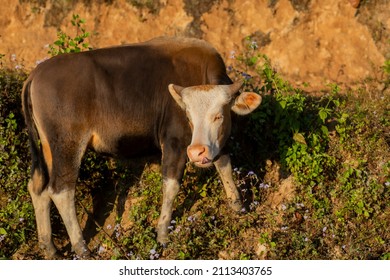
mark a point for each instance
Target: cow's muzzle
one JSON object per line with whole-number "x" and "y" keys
{"x": 200, "y": 155}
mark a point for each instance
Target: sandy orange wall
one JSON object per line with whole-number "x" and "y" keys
{"x": 323, "y": 43}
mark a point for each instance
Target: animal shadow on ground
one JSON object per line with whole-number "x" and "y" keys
{"x": 108, "y": 189}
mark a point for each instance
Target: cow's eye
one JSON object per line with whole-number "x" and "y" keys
{"x": 218, "y": 117}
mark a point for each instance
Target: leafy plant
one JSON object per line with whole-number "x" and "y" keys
{"x": 67, "y": 44}
{"x": 295, "y": 123}
{"x": 16, "y": 222}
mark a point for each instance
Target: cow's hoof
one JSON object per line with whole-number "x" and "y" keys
{"x": 52, "y": 255}
{"x": 162, "y": 237}
{"x": 82, "y": 251}
{"x": 237, "y": 206}
{"x": 49, "y": 251}
{"x": 163, "y": 240}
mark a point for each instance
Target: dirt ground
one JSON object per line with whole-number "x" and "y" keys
{"x": 309, "y": 41}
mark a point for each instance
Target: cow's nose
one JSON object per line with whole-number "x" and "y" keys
{"x": 199, "y": 154}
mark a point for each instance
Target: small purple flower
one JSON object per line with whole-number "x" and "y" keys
{"x": 263, "y": 186}
{"x": 101, "y": 249}
{"x": 2, "y": 237}
{"x": 178, "y": 229}
{"x": 253, "y": 205}
{"x": 233, "y": 54}
{"x": 251, "y": 173}
{"x": 129, "y": 254}
{"x": 254, "y": 45}
{"x": 191, "y": 219}
{"x": 154, "y": 254}
{"x": 246, "y": 76}
{"x": 284, "y": 207}
{"x": 387, "y": 184}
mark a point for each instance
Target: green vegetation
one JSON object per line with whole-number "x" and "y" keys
{"x": 67, "y": 44}
{"x": 16, "y": 218}
{"x": 313, "y": 170}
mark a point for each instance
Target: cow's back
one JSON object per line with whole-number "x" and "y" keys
{"x": 119, "y": 95}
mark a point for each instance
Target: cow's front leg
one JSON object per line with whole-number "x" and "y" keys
{"x": 224, "y": 169}
{"x": 170, "y": 190}
{"x": 173, "y": 164}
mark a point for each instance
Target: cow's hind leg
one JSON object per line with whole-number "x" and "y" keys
{"x": 65, "y": 203}
{"x": 62, "y": 189}
{"x": 41, "y": 202}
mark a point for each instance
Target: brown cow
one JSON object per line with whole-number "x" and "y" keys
{"x": 119, "y": 101}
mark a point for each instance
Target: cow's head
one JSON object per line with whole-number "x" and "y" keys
{"x": 208, "y": 111}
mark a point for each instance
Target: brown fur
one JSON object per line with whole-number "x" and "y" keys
{"x": 204, "y": 87}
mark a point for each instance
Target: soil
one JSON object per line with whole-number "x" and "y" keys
{"x": 309, "y": 41}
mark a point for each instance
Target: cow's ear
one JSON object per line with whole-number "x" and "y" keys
{"x": 246, "y": 102}
{"x": 175, "y": 91}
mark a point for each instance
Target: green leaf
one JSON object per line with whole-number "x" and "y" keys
{"x": 298, "y": 137}
{"x": 3, "y": 231}
{"x": 283, "y": 103}
{"x": 324, "y": 130}
{"x": 323, "y": 115}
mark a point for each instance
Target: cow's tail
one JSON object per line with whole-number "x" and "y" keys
{"x": 39, "y": 173}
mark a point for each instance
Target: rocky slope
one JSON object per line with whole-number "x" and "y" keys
{"x": 310, "y": 41}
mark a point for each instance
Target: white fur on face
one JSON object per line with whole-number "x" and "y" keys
{"x": 208, "y": 111}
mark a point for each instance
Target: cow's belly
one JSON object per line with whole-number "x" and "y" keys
{"x": 124, "y": 146}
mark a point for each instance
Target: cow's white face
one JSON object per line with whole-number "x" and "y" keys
{"x": 208, "y": 111}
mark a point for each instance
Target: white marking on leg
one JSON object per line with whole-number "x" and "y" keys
{"x": 65, "y": 203}
{"x": 170, "y": 190}
{"x": 41, "y": 203}
{"x": 224, "y": 169}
